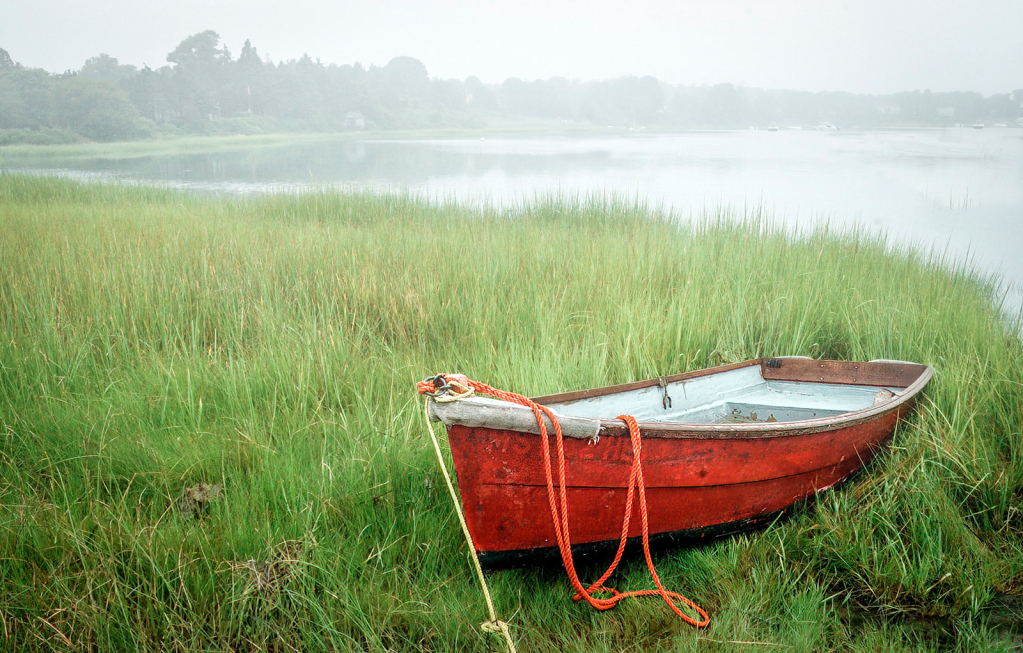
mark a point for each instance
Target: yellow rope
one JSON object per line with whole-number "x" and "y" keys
{"x": 465, "y": 391}
{"x": 494, "y": 625}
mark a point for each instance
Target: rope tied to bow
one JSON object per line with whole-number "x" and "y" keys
{"x": 452, "y": 387}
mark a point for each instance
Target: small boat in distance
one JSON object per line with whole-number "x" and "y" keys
{"x": 978, "y": 125}
{"x": 724, "y": 449}
{"x": 773, "y": 127}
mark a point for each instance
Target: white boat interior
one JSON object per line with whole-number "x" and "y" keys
{"x": 736, "y": 396}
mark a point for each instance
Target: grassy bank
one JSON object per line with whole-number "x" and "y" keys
{"x": 14, "y": 154}
{"x": 153, "y": 341}
{"x": 19, "y": 154}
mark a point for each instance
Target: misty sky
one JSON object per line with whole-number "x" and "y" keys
{"x": 869, "y": 46}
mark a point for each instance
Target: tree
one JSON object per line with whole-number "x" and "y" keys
{"x": 6, "y": 63}
{"x": 535, "y": 98}
{"x": 407, "y": 75}
{"x": 147, "y": 90}
{"x": 198, "y": 51}
{"x": 24, "y": 97}
{"x": 477, "y": 95}
{"x": 448, "y": 93}
{"x": 725, "y": 105}
{"x": 12, "y": 109}
{"x": 96, "y": 109}
{"x": 199, "y": 77}
{"x": 105, "y": 67}
{"x": 247, "y": 87}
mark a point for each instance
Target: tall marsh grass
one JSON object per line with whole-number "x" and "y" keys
{"x": 152, "y": 340}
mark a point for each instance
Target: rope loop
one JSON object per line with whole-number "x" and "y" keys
{"x": 494, "y": 626}
{"x": 439, "y": 387}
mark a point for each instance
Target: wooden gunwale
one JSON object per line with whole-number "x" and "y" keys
{"x": 686, "y": 430}
{"x": 589, "y": 393}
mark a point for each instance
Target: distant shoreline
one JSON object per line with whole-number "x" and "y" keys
{"x": 176, "y": 145}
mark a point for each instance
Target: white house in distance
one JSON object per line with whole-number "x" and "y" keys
{"x": 354, "y": 121}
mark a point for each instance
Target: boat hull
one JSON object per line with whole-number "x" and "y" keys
{"x": 702, "y": 479}
{"x": 696, "y": 486}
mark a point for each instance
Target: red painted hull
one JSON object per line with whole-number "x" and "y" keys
{"x": 695, "y": 483}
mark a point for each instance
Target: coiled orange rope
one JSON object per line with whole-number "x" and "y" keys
{"x": 558, "y": 502}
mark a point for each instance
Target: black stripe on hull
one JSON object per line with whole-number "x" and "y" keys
{"x": 593, "y": 552}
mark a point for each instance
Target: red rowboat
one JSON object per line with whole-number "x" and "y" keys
{"x": 724, "y": 450}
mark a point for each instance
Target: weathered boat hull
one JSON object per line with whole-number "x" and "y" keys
{"x": 701, "y": 480}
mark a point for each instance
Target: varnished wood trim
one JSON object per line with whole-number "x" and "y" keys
{"x": 887, "y": 374}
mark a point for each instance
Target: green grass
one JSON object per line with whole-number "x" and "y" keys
{"x": 159, "y": 147}
{"x": 151, "y": 340}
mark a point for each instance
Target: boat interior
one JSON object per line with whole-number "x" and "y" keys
{"x": 735, "y": 396}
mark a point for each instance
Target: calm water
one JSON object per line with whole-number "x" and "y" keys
{"x": 958, "y": 191}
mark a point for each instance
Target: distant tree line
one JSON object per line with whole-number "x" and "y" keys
{"x": 204, "y": 89}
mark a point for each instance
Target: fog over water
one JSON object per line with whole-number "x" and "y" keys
{"x": 957, "y": 192}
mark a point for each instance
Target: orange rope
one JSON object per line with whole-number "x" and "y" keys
{"x": 559, "y": 503}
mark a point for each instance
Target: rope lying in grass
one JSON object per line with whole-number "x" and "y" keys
{"x": 558, "y": 502}
{"x": 494, "y": 625}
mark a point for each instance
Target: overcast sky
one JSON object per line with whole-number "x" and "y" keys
{"x": 870, "y": 46}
